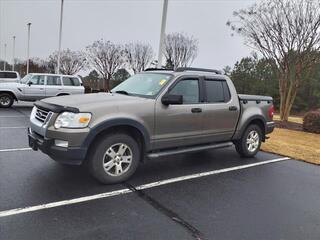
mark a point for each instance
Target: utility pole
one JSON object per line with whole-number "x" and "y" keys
{"x": 162, "y": 33}
{"x": 28, "y": 47}
{"x": 13, "y": 52}
{"x": 0, "y": 27}
{"x": 60, "y": 37}
{"x": 5, "y": 57}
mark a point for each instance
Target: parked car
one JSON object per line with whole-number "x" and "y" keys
{"x": 36, "y": 86}
{"x": 150, "y": 115}
{"x": 9, "y": 76}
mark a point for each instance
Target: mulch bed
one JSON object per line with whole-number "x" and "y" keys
{"x": 289, "y": 125}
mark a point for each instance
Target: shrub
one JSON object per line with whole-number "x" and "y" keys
{"x": 311, "y": 122}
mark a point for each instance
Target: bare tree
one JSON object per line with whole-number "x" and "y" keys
{"x": 138, "y": 56}
{"x": 106, "y": 58}
{"x": 180, "y": 50}
{"x": 288, "y": 33}
{"x": 71, "y": 62}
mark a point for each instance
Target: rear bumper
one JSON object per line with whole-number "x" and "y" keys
{"x": 66, "y": 155}
{"x": 269, "y": 127}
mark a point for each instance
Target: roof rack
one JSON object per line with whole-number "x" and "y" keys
{"x": 184, "y": 69}
{"x": 157, "y": 69}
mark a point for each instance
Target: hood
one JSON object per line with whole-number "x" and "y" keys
{"x": 89, "y": 102}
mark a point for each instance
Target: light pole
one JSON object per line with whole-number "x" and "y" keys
{"x": 28, "y": 47}
{"x": 162, "y": 33}
{"x": 60, "y": 36}
{"x": 5, "y": 56}
{"x": 13, "y": 51}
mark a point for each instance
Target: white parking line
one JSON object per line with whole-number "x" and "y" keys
{"x": 22, "y": 116}
{"x": 12, "y": 127}
{"x": 15, "y": 149}
{"x": 126, "y": 190}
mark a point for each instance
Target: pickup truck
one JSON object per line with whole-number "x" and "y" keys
{"x": 152, "y": 114}
{"x": 36, "y": 86}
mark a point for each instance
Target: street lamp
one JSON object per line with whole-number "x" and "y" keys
{"x": 60, "y": 36}
{"x": 5, "y": 57}
{"x": 162, "y": 33}
{"x": 28, "y": 48}
{"x": 13, "y": 52}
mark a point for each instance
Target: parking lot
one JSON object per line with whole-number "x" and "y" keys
{"x": 207, "y": 195}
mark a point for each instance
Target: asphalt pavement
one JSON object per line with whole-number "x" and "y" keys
{"x": 208, "y": 195}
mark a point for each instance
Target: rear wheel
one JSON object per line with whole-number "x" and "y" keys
{"x": 250, "y": 142}
{"x": 6, "y": 100}
{"x": 114, "y": 159}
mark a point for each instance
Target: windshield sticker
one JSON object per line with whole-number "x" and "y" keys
{"x": 162, "y": 82}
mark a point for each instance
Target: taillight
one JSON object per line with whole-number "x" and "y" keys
{"x": 271, "y": 112}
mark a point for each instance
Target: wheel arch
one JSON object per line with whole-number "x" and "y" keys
{"x": 11, "y": 93}
{"x": 257, "y": 120}
{"x": 128, "y": 126}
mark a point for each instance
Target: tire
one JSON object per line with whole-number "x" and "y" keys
{"x": 110, "y": 154}
{"x": 252, "y": 134}
{"x": 6, "y": 100}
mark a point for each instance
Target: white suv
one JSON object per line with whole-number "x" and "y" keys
{"x": 36, "y": 86}
{"x": 9, "y": 76}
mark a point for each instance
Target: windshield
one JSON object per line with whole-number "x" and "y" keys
{"x": 26, "y": 78}
{"x": 145, "y": 85}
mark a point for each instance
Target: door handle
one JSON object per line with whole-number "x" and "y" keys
{"x": 233, "y": 108}
{"x": 41, "y": 88}
{"x": 196, "y": 110}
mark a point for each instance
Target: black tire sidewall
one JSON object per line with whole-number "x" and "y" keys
{"x": 95, "y": 160}
{"x": 244, "y": 149}
{"x": 11, "y": 100}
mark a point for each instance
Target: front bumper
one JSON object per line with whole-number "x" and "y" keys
{"x": 66, "y": 155}
{"x": 269, "y": 127}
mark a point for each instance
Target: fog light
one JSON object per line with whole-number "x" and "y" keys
{"x": 61, "y": 143}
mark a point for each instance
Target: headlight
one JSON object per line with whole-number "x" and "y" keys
{"x": 72, "y": 120}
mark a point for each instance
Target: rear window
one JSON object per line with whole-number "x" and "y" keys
{"x": 11, "y": 75}
{"x": 217, "y": 91}
{"x": 71, "y": 81}
{"x": 53, "y": 80}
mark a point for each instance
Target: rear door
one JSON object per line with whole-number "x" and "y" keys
{"x": 72, "y": 85}
{"x": 180, "y": 125}
{"x": 53, "y": 86}
{"x": 35, "y": 88}
{"x": 221, "y": 111}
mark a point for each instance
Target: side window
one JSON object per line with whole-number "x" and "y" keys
{"x": 214, "y": 91}
{"x": 189, "y": 89}
{"x": 37, "y": 80}
{"x": 226, "y": 91}
{"x": 11, "y": 75}
{"x": 71, "y": 81}
{"x": 2, "y": 75}
{"x": 53, "y": 81}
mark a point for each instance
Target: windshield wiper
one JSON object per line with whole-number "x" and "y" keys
{"x": 122, "y": 92}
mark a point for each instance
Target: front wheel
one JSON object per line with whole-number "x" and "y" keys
{"x": 114, "y": 158}
{"x": 6, "y": 100}
{"x": 250, "y": 142}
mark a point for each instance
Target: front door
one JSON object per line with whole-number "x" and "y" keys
{"x": 179, "y": 125}
{"x": 34, "y": 89}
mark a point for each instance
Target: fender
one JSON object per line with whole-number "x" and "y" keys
{"x": 117, "y": 122}
{"x": 9, "y": 91}
{"x": 244, "y": 126}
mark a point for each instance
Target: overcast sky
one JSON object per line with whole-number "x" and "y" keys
{"x": 122, "y": 21}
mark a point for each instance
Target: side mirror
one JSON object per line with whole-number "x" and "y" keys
{"x": 169, "y": 99}
{"x": 29, "y": 84}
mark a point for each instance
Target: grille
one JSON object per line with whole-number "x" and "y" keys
{"x": 41, "y": 115}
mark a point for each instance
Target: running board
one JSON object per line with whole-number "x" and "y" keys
{"x": 188, "y": 149}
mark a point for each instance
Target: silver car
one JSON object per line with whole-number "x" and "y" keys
{"x": 36, "y": 86}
